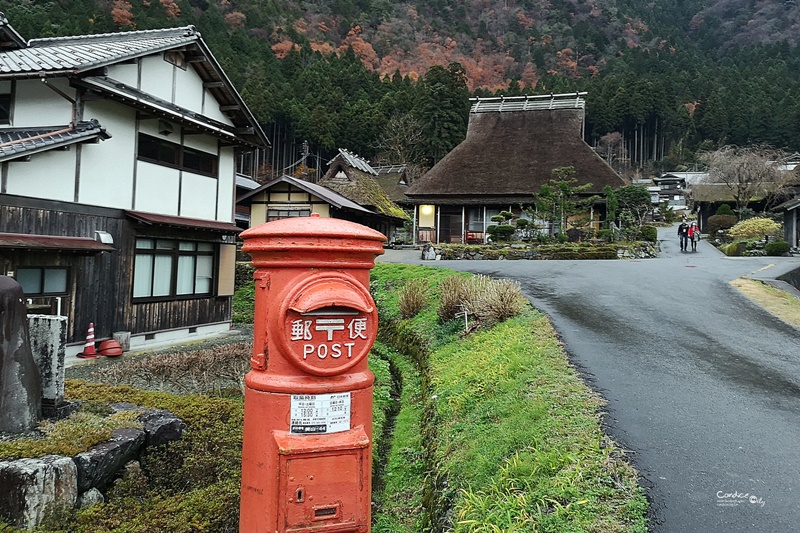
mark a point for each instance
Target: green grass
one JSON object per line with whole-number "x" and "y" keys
{"x": 496, "y": 432}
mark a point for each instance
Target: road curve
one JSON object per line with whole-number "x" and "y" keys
{"x": 703, "y": 386}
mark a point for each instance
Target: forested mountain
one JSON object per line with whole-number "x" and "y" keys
{"x": 665, "y": 78}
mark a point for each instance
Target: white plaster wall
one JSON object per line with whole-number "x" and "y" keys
{"x": 211, "y": 109}
{"x": 127, "y": 73}
{"x": 189, "y": 89}
{"x": 227, "y": 178}
{"x": 37, "y": 105}
{"x": 106, "y": 176}
{"x": 49, "y": 175}
{"x": 150, "y": 126}
{"x": 156, "y": 189}
{"x": 203, "y": 142}
{"x": 157, "y": 77}
{"x": 198, "y": 196}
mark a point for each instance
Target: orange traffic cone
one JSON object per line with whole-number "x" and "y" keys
{"x": 88, "y": 349}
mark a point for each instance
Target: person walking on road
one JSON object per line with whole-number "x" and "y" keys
{"x": 683, "y": 234}
{"x": 694, "y": 235}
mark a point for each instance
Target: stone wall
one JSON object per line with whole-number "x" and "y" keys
{"x": 569, "y": 251}
{"x": 31, "y": 488}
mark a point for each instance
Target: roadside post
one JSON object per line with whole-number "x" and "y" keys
{"x": 307, "y": 445}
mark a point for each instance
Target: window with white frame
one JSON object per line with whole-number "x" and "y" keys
{"x": 165, "y": 268}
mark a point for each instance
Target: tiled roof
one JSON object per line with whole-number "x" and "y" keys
{"x": 246, "y": 183}
{"x": 21, "y": 142}
{"x": 87, "y": 52}
{"x": 356, "y": 161}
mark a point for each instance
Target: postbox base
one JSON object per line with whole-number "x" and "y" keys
{"x": 306, "y": 462}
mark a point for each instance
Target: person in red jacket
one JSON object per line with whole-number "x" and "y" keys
{"x": 694, "y": 235}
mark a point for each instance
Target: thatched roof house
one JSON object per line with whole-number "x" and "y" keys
{"x": 354, "y": 178}
{"x": 511, "y": 148}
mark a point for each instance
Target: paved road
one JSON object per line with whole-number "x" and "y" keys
{"x": 703, "y": 386}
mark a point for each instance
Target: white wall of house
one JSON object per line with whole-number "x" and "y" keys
{"x": 157, "y": 77}
{"x": 36, "y": 104}
{"x": 127, "y": 73}
{"x": 226, "y": 184}
{"x": 199, "y": 196}
{"x": 211, "y": 109}
{"x": 189, "y": 89}
{"x": 48, "y": 175}
{"x": 106, "y": 176}
{"x": 157, "y": 188}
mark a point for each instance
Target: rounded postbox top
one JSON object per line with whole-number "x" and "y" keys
{"x": 313, "y": 241}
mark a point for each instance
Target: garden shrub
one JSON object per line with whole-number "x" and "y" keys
{"x": 755, "y": 228}
{"x": 501, "y": 232}
{"x": 720, "y": 222}
{"x": 776, "y": 248}
{"x": 244, "y": 274}
{"x": 412, "y": 297}
{"x": 724, "y": 209}
{"x": 244, "y": 301}
{"x": 649, "y": 233}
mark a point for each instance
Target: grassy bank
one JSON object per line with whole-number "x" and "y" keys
{"x": 497, "y": 427}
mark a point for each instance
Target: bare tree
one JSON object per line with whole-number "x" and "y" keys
{"x": 402, "y": 142}
{"x": 747, "y": 172}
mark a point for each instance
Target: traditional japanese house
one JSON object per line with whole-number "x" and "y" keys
{"x": 511, "y": 149}
{"x": 288, "y": 197}
{"x": 117, "y": 181}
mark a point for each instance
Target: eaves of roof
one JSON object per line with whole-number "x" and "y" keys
{"x": 155, "y": 219}
{"x": 23, "y": 142}
{"x": 146, "y": 102}
{"x": 20, "y": 241}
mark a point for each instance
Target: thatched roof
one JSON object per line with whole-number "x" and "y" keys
{"x": 354, "y": 178}
{"x": 509, "y": 155}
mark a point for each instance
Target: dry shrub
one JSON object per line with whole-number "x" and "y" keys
{"x": 214, "y": 370}
{"x": 485, "y": 299}
{"x": 495, "y": 300}
{"x": 412, "y": 297}
{"x": 453, "y": 292}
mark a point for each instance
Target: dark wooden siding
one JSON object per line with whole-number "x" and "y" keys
{"x": 100, "y": 288}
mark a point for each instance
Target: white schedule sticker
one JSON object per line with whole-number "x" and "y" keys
{"x": 320, "y": 413}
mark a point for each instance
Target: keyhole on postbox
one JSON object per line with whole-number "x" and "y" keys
{"x": 299, "y": 495}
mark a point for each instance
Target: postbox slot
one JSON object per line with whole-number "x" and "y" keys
{"x": 332, "y": 311}
{"x": 326, "y": 513}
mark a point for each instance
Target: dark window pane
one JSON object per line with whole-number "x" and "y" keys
{"x": 30, "y": 279}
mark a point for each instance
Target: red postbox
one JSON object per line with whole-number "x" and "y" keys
{"x": 307, "y": 450}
